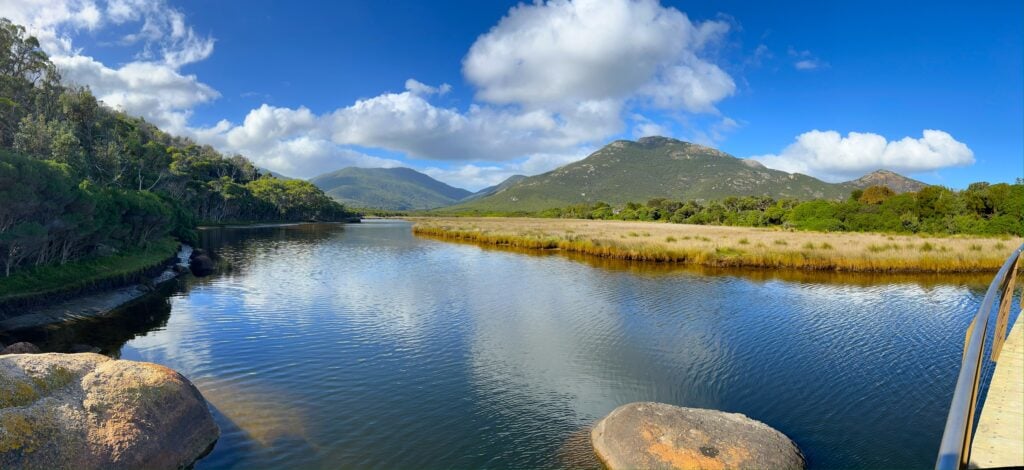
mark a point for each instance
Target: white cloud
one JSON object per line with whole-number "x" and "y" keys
{"x": 418, "y": 88}
{"x": 829, "y": 155}
{"x": 476, "y": 177}
{"x": 266, "y": 124}
{"x": 761, "y": 54}
{"x": 155, "y": 91}
{"x": 807, "y": 64}
{"x": 805, "y": 60}
{"x": 555, "y": 77}
{"x": 151, "y": 86}
{"x": 551, "y": 55}
{"x": 305, "y": 157}
{"x": 163, "y": 34}
{"x": 644, "y": 127}
{"x": 409, "y": 123}
{"x": 552, "y": 79}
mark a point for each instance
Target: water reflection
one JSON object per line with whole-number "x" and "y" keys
{"x": 330, "y": 346}
{"x": 978, "y": 280}
{"x": 108, "y": 334}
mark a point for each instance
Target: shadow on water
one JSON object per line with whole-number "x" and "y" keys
{"x": 109, "y": 333}
{"x": 254, "y": 421}
{"x": 151, "y": 312}
{"x": 577, "y": 452}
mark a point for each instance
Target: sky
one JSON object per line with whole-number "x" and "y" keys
{"x": 474, "y": 91}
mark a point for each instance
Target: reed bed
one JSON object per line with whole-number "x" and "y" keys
{"x": 731, "y": 246}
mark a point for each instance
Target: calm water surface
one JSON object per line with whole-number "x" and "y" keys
{"x": 330, "y": 346}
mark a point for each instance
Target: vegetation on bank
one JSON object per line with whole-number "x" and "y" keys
{"x": 732, "y": 246}
{"x": 981, "y": 209}
{"x": 78, "y": 178}
{"x": 116, "y": 269}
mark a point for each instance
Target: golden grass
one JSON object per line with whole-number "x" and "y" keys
{"x": 730, "y": 246}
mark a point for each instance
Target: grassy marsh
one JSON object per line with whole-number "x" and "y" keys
{"x": 731, "y": 246}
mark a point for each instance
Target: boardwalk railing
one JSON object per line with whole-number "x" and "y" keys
{"x": 955, "y": 449}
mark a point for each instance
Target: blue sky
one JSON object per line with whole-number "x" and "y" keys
{"x": 474, "y": 91}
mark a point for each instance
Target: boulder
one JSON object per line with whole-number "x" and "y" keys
{"x": 201, "y": 265}
{"x": 21, "y": 348}
{"x": 659, "y": 436}
{"x": 83, "y": 348}
{"x": 87, "y": 411}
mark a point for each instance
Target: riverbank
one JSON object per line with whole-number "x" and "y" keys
{"x": 96, "y": 303}
{"x": 48, "y": 284}
{"x": 730, "y": 246}
{"x": 245, "y": 224}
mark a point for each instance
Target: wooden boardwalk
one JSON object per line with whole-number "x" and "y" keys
{"x": 999, "y": 440}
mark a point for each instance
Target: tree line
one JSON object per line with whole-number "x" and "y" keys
{"x": 78, "y": 178}
{"x": 981, "y": 209}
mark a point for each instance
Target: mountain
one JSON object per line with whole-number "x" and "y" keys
{"x": 264, "y": 171}
{"x": 625, "y": 171}
{"x": 651, "y": 167}
{"x": 387, "y": 188}
{"x": 895, "y": 181}
{"x": 511, "y": 180}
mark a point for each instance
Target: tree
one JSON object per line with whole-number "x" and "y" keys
{"x": 876, "y": 194}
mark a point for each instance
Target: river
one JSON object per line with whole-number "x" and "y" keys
{"x": 355, "y": 346}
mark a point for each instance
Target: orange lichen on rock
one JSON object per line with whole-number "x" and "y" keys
{"x": 660, "y": 436}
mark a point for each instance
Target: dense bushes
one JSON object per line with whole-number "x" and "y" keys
{"x": 46, "y": 218}
{"x": 981, "y": 209}
{"x": 78, "y": 178}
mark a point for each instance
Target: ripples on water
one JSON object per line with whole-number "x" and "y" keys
{"x": 323, "y": 346}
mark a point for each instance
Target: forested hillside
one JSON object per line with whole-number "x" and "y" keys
{"x": 387, "y": 188}
{"x": 78, "y": 178}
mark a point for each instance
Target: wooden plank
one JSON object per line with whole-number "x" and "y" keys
{"x": 999, "y": 440}
{"x": 1004, "y": 311}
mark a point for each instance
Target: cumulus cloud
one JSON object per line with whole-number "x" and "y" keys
{"x": 151, "y": 86}
{"x": 305, "y": 157}
{"x": 551, "y": 78}
{"x": 152, "y": 90}
{"x": 558, "y": 53}
{"x": 476, "y": 177}
{"x": 409, "y": 123}
{"x": 830, "y": 156}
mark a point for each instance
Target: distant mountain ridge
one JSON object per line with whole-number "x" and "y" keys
{"x": 388, "y": 188}
{"x": 510, "y": 181}
{"x": 650, "y": 167}
{"x": 895, "y": 181}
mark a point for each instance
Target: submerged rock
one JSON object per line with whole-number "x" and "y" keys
{"x": 21, "y": 348}
{"x": 660, "y": 436}
{"x": 86, "y": 411}
{"x": 201, "y": 265}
